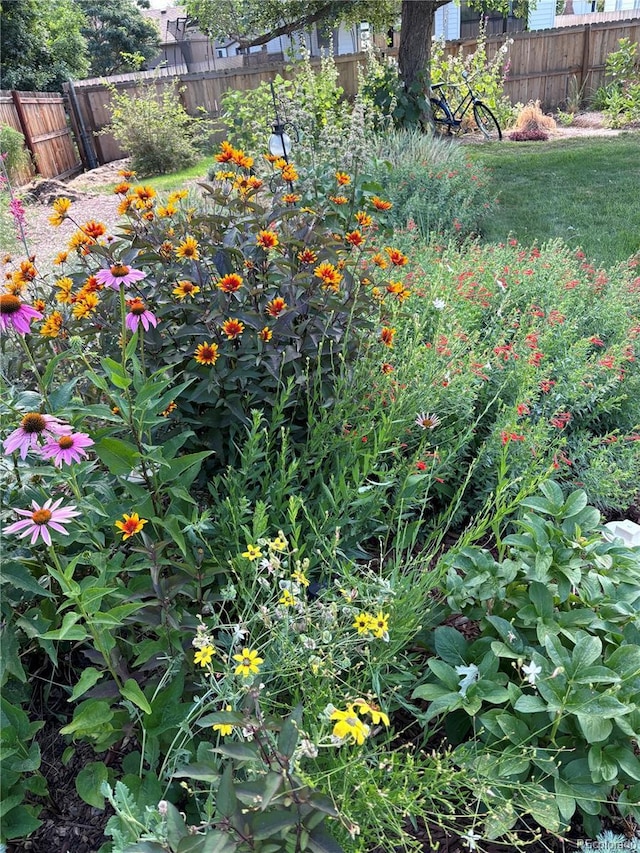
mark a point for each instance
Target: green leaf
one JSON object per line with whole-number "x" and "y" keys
{"x": 587, "y": 649}
{"x": 321, "y": 842}
{"x": 68, "y": 630}
{"x": 575, "y": 503}
{"x": 226, "y": 801}
{"x": 179, "y": 467}
{"x": 87, "y": 679}
{"x": 530, "y": 705}
{"x": 272, "y": 783}
{"x": 288, "y": 738}
{"x": 89, "y": 716}
{"x": 176, "y": 827}
{"x": 19, "y": 823}
{"x": 565, "y": 799}
{"x": 270, "y": 825}
{"x": 131, "y": 691}
{"x": 594, "y": 729}
{"x": 120, "y": 457}
{"x": 239, "y": 751}
{"x": 450, "y": 645}
{"x": 553, "y": 493}
{"x": 19, "y": 577}
{"x": 201, "y": 772}
{"x": 89, "y": 781}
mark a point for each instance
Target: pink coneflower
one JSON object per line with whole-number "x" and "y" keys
{"x": 138, "y": 313}
{"x": 66, "y": 448}
{"x": 40, "y": 519}
{"x": 15, "y": 314}
{"x": 32, "y": 427}
{"x": 427, "y": 421}
{"x": 119, "y": 274}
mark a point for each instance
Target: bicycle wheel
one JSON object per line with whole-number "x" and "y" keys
{"x": 486, "y": 121}
{"x": 441, "y": 116}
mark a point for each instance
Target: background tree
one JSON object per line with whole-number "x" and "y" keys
{"x": 41, "y": 44}
{"x": 255, "y": 22}
{"x": 118, "y": 36}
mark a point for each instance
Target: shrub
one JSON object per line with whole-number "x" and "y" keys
{"x": 619, "y": 98}
{"x": 545, "y": 693}
{"x": 431, "y": 184}
{"x": 532, "y": 124}
{"x": 155, "y": 129}
{"x": 13, "y": 150}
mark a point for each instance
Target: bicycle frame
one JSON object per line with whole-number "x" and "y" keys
{"x": 459, "y": 112}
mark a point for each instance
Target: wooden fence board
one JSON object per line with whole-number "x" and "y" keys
{"x": 42, "y": 119}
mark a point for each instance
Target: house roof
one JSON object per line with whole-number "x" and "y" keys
{"x": 162, "y": 18}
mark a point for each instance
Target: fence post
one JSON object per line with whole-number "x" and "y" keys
{"x": 24, "y": 127}
{"x": 586, "y": 44}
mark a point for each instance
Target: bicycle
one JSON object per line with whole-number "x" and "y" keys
{"x": 444, "y": 115}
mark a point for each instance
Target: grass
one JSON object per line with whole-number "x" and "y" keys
{"x": 174, "y": 180}
{"x": 584, "y": 191}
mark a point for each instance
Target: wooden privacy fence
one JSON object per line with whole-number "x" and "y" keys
{"x": 42, "y": 119}
{"x": 544, "y": 65}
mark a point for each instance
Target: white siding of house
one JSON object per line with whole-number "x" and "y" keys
{"x": 447, "y": 22}
{"x": 542, "y": 16}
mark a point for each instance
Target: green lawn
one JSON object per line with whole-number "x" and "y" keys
{"x": 586, "y": 191}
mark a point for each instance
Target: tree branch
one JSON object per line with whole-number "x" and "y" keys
{"x": 285, "y": 29}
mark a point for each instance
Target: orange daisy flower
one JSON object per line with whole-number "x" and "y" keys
{"x": 265, "y": 334}
{"x": 387, "y": 335}
{"x": 130, "y": 525}
{"x": 188, "y": 249}
{"x": 381, "y": 204}
{"x": 230, "y": 283}
{"x": 52, "y": 325}
{"x": 94, "y": 229}
{"x": 380, "y": 261}
{"x": 64, "y": 293}
{"x": 39, "y": 305}
{"x": 122, "y": 188}
{"x": 144, "y": 193}
{"x": 339, "y": 199}
{"x": 386, "y": 367}
{"x": 125, "y": 205}
{"x": 363, "y": 219}
{"x": 307, "y": 256}
{"x": 343, "y": 179}
{"x": 126, "y": 173}
{"x": 232, "y": 328}
{"x": 185, "y": 288}
{"x": 86, "y": 306}
{"x": 276, "y": 306}
{"x": 396, "y": 257}
{"x": 355, "y": 238}
{"x": 206, "y": 354}
{"x": 289, "y": 173}
{"x": 329, "y": 275}
{"x": 291, "y": 198}
{"x": 60, "y": 259}
{"x": 61, "y": 211}
{"x": 227, "y": 152}
{"x": 267, "y": 239}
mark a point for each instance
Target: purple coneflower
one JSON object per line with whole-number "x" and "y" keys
{"x": 427, "y": 421}
{"x": 66, "y": 448}
{"x": 32, "y": 427}
{"x": 16, "y": 314}
{"x": 138, "y": 313}
{"x": 40, "y": 519}
{"x": 119, "y": 274}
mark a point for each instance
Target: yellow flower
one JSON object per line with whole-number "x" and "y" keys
{"x": 61, "y": 207}
{"x": 188, "y": 249}
{"x": 86, "y": 306}
{"x": 64, "y": 294}
{"x": 300, "y": 577}
{"x": 203, "y": 656}
{"x": 224, "y": 728}
{"x": 252, "y": 552}
{"x": 362, "y": 623}
{"x": 286, "y": 598}
{"x": 185, "y": 288}
{"x": 248, "y": 663}
{"x": 130, "y": 524}
{"x": 52, "y": 325}
{"x": 279, "y": 543}
{"x": 349, "y": 726}
{"x": 379, "y": 625}
{"x": 377, "y": 716}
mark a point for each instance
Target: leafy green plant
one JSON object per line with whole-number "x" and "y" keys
{"x": 20, "y": 771}
{"x": 14, "y": 153}
{"x": 155, "y": 129}
{"x": 619, "y": 98}
{"x": 548, "y": 693}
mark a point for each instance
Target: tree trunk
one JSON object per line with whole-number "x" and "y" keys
{"x": 416, "y": 33}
